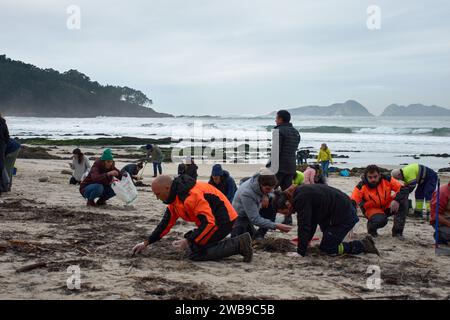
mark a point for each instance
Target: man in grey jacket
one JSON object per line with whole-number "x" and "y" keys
{"x": 247, "y": 203}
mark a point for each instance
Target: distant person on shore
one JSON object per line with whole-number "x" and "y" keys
{"x": 80, "y": 166}
{"x": 248, "y": 204}
{"x": 133, "y": 170}
{"x": 302, "y": 157}
{"x": 97, "y": 184}
{"x": 331, "y": 210}
{"x": 425, "y": 179}
{"x": 189, "y": 167}
{"x": 209, "y": 209}
{"x": 287, "y": 145}
{"x": 380, "y": 197}
{"x": 313, "y": 174}
{"x": 443, "y": 214}
{"x": 155, "y": 156}
{"x": 4, "y": 139}
{"x": 324, "y": 158}
{"x": 222, "y": 180}
{"x": 11, "y": 153}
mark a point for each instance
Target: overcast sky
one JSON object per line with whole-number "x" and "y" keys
{"x": 242, "y": 57}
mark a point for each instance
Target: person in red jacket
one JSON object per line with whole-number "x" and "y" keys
{"x": 444, "y": 214}
{"x": 97, "y": 184}
{"x": 209, "y": 209}
{"x": 379, "y": 197}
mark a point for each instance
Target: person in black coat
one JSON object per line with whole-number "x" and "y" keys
{"x": 189, "y": 168}
{"x": 4, "y": 138}
{"x": 331, "y": 210}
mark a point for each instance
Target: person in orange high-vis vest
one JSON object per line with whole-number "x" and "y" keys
{"x": 210, "y": 210}
{"x": 379, "y": 197}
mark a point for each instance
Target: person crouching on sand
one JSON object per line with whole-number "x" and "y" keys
{"x": 331, "y": 210}
{"x": 209, "y": 209}
{"x": 97, "y": 184}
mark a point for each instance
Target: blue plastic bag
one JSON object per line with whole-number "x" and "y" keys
{"x": 345, "y": 173}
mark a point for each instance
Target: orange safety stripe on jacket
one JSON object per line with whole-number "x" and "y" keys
{"x": 201, "y": 207}
{"x": 376, "y": 200}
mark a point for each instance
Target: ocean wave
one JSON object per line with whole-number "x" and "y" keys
{"x": 442, "y": 132}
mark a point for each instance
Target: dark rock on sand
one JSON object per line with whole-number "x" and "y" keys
{"x": 36, "y": 153}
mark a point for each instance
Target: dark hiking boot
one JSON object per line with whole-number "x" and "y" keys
{"x": 245, "y": 246}
{"x": 101, "y": 202}
{"x": 398, "y": 235}
{"x": 91, "y": 203}
{"x": 369, "y": 245}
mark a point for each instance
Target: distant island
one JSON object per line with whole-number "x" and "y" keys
{"x": 350, "y": 108}
{"x": 415, "y": 110}
{"x": 26, "y": 90}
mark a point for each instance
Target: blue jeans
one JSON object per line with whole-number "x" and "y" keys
{"x": 97, "y": 190}
{"x": 325, "y": 165}
{"x": 157, "y": 167}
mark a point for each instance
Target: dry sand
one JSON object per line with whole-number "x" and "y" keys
{"x": 49, "y": 222}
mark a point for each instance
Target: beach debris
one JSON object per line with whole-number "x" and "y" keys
{"x": 274, "y": 245}
{"x": 68, "y": 172}
{"x": 35, "y": 153}
{"x": 43, "y": 179}
{"x": 31, "y": 267}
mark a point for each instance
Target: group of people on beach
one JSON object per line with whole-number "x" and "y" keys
{"x": 228, "y": 218}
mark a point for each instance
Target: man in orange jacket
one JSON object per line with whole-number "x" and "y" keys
{"x": 380, "y": 197}
{"x": 209, "y": 209}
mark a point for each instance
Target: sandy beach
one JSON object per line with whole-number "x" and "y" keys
{"x": 49, "y": 223}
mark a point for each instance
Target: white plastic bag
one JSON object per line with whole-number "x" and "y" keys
{"x": 125, "y": 189}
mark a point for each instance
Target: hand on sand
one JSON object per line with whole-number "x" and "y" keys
{"x": 284, "y": 227}
{"x": 394, "y": 206}
{"x": 139, "y": 248}
{"x": 294, "y": 255}
{"x": 181, "y": 244}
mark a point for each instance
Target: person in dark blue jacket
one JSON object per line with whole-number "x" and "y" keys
{"x": 222, "y": 180}
{"x": 4, "y": 138}
{"x": 11, "y": 153}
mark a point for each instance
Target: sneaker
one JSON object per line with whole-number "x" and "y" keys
{"x": 369, "y": 245}
{"x": 245, "y": 247}
{"x": 101, "y": 202}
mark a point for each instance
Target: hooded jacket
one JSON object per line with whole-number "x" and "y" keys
{"x": 197, "y": 202}
{"x": 247, "y": 202}
{"x": 376, "y": 199}
{"x": 98, "y": 174}
{"x": 227, "y": 185}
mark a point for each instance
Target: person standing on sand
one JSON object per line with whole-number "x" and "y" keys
{"x": 80, "y": 166}
{"x": 4, "y": 139}
{"x": 209, "y": 209}
{"x": 380, "y": 197}
{"x": 288, "y": 141}
{"x": 248, "y": 202}
{"x": 11, "y": 153}
{"x": 424, "y": 178}
{"x": 97, "y": 184}
{"x": 443, "y": 214}
{"x": 329, "y": 208}
{"x": 324, "y": 158}
{"x": 155, "y": 155}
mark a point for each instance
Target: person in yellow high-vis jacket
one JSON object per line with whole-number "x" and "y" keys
{"x": 424, "y": 178}
{"x": 324, "y": 158}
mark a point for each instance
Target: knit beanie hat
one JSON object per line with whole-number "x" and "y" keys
{"x": 217, "y": 170}
{"x": 107, "y": 155}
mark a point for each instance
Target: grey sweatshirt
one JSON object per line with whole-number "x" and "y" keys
{"x": 247, "y": 203}
{"x": 80, "y": 168}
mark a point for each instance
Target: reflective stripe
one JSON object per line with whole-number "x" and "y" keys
{"x": 341, "y": 249}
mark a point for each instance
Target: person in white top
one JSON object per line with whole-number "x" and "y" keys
{"x": 80, "y": 166}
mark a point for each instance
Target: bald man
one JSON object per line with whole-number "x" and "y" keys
{"x": 209, "y": 209}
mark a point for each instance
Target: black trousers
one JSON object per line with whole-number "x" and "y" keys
{"x": 213, "y": 247}
{"x": 284, "y": 180}
{"x": 380, "y": 220}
